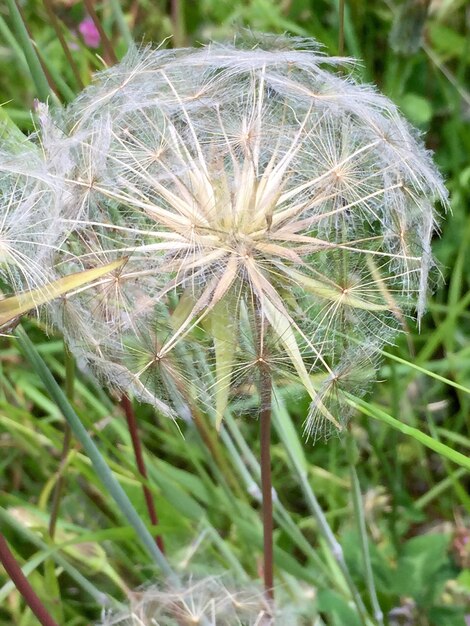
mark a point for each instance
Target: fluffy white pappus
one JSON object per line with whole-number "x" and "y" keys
{"x": 207, "y": 601}
{"x": 255, "y": 193}
{"x": 31, "y": 228}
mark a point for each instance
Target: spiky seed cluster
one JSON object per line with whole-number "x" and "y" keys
{"x": 206, "y": 601}
{"x": 273, "y": 213}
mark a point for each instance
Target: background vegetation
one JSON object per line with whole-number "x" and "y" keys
{"x": 414, "y": 490}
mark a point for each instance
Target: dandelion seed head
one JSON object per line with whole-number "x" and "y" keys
{"x": 211, "y": 601}
{"x": 269, "y": 207}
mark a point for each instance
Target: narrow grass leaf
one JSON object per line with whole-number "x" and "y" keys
{"x": 32, "y": 59}
{"x": 378, "y": 414}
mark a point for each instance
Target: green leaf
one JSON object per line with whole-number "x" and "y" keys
{"x": 420, "y": 565}
{"x": 447, "y": 41}
{"x": 447, "y": 616}
{"x": 464, "y": 579}
{"x": 8, "y": 129}
{"x": 416, "y": 108}
{"x": 179, "y": 499}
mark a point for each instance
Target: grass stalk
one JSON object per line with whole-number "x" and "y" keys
{"x": 332, "y": 543}
{"x": 177, "y": 22}
{"x": 106, "y": 476}
{"x": 59, "y": 486}
{"x": 210, "y": 441}
{"x": 21, "y": 583}
{"x": 122, "y": 23}
{"x": 32, "y": 58}
{"x": 377, "y": 413}
{"x": 361, "y": 526}
{"x": 139, "y": 459}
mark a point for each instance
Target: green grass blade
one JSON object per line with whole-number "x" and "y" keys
{"x": 37, "y": 73}
{"x": 122, "y": 23}
{"x": 427, "y": 372}
{"x": 373, "y": 411}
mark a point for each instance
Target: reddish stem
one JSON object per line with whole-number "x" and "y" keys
{"x": 266, "y": 481}
{"x": 139, "y": 458}
{"x": 21, "y": 583}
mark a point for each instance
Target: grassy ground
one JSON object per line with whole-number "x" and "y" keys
{"x": 414, "y": 488}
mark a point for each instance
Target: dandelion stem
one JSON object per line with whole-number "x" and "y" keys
{"x": 266, "y": 480}
{"x": 21, "y": 583}
{"x": 139, "y": 458}
{"x": 177, "y": 21}
{"x": 265, "y": 411}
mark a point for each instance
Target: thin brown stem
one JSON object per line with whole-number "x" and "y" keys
{"x": 265, "y": 410}
{"x": 21, "y": 583}
{"x": 266, "y": 480}
{"x": 139, "y": 459}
